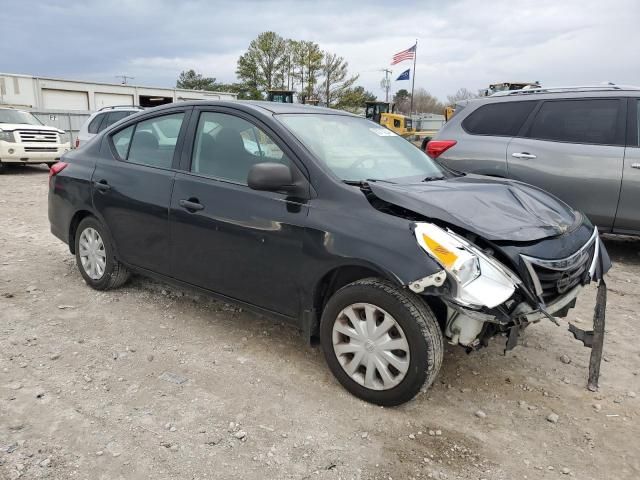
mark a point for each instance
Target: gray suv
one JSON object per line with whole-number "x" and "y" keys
{"x": 579, "y": 143}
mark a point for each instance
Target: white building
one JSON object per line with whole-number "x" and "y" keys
{"x": 53, "y": 94}
{"x": 66, "y": 104}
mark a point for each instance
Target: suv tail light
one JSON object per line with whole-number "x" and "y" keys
{"x": 435, "y": 148}
{"x": 56, "y": 168}
{"x": 77, "y": 142}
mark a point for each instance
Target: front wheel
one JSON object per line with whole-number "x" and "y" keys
{"x": 94, "y": 256}
{"x": 382, "y": 342}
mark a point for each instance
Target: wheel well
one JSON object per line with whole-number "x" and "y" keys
{"x": 337, "y": 278}
{"x": 73, "y": 226}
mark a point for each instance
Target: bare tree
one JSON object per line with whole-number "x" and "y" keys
{"x": 424, "y": 102}
{"x": 336, "y": 80}
{"x": 461, "y": 94}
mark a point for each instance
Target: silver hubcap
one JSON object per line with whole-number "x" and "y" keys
{"x": 92, "y": 254}
{"x": 370, "y": 346}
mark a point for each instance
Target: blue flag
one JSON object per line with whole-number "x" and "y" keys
{"x": 404, "y": 75}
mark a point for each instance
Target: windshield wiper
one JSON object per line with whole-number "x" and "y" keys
{"x": 432, "y": 179}
{"x": 361, "y": 183}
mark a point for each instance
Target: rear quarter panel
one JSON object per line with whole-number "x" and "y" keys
{"x": 70, "y": 192}
{"x": 479, "y": 154}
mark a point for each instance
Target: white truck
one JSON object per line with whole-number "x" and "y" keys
{"x": 25, "y": 140}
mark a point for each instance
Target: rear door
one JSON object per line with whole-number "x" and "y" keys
{"x": 131, "y": 191}
{"x": 574, "y": 149}
{"x": 483, "y": 137}
{"x": 628, "y": 215}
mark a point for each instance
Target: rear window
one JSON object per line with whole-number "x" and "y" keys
{"x": 114, "y": 117}
{"x": 94, "y": 126}
{"x": 578, "y": 121}
{"x": 500, "y": 119}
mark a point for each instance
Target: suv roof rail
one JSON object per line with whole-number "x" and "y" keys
{"x": 576, "y": 88}
{"x": 111, "y": 107}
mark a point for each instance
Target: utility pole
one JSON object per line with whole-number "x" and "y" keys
{"x": 386, "y": 83}
{"x": 125, "y": 78}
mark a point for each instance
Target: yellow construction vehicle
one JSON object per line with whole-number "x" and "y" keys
{"x": 384, "y": 114}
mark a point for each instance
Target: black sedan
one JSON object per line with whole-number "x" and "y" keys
{"x": 329, "y": 221}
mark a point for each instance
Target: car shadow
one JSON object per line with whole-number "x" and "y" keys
{"x": 32, "y": 169}
{"x": 623, "y": 249}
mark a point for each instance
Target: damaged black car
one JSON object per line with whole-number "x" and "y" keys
{"x": 330, "y": 222}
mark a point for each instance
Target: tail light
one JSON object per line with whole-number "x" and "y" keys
{"x": 56, "y": 168}
{"x": 77, "y": 142}
{"x": 435, "y": 148}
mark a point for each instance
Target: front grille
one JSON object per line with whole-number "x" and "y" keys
{"x": 554, "y": 278}
{"x": 40, "y": 149}
{"x": 37, "y": 136}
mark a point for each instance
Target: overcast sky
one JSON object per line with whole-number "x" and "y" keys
{"x": 460, "y": 43}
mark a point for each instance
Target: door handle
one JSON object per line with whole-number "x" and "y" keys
{"x": 102, "y": 185}
{"x": 635, "y": 165}
{"x": 523, "y": 155}
{"x": 191, "y": 205}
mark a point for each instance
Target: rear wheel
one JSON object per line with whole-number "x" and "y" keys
{"x": 94, "y": 256}
{"x": 381, "y": 342}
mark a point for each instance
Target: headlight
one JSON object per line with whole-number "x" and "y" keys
{"x": 478, "y": 278}
{"x": 7, "y": 137}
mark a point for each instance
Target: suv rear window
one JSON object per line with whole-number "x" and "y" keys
{"x": 500, "y": 119}
{"x": 577, "y": 121}
{"x": 94, "y": 126}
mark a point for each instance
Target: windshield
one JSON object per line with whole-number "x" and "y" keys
{"x": 356, "y": 149}
{"x": 18, "y": 116}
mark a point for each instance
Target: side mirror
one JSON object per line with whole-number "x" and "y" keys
{"x": 271, "y": 177}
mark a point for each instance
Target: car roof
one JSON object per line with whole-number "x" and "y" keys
{"x": 258, "y": 105}
{"x": 561, "y": 92}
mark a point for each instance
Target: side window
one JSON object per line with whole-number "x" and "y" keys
{"x": 121, "y": 141}
{"x": 499, "y": 119}
{"x": 226, "y": 147}
{"x": 94, "y": 126}
{"x": 150, "y": 142}
{"x": 577, "y": 121}
{"x": 396, "y": 123}
{"x": 113, "y": 117}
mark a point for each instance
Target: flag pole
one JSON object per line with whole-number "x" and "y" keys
{"x": 413, "y": 79}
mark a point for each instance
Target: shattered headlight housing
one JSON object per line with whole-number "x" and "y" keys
{"x": 479, "y": 280}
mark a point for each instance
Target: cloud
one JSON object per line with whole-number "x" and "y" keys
{"x": 461, "y": 43}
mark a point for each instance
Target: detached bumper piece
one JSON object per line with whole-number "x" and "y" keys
{"x": 594, "y": 339}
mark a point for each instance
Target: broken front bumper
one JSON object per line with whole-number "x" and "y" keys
{"x": 472, "y": 326}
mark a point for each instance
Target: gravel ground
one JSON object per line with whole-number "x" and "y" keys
{"x": 152, "y": 382}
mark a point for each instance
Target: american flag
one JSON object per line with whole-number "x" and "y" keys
{"x": 407, "y": 54}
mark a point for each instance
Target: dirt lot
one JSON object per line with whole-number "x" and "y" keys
{"x": 151, "y": 382}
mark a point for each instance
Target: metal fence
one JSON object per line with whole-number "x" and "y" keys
{"x": 68, "y": 120}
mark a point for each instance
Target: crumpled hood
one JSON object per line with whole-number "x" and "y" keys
{"x": 495, "y": 209}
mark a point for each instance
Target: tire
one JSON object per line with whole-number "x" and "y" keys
{"x": 3, "y": 168}
{"x": 113, "y": 274}
{"x": 418, "y": 331}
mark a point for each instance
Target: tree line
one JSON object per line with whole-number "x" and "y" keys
{"x": 273, "y": 62}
